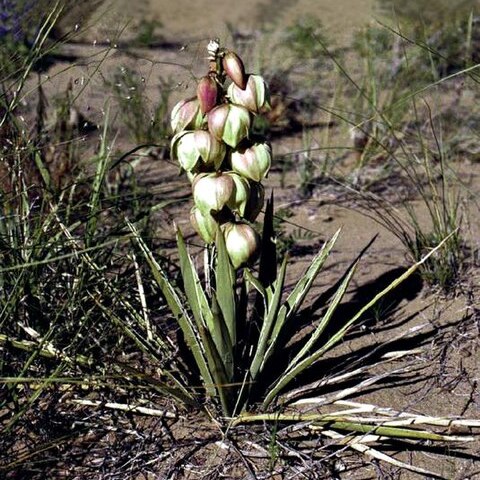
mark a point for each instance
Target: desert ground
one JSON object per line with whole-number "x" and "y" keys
{"x": 336, "y": 70}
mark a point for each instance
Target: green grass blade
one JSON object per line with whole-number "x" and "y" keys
{"x": 177, "y": 308}
{"x": 180, "y": 393}
{"x": 269, "y": 322}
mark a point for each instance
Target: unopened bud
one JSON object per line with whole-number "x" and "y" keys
{"x": 204, "y": 224}
{"x": 238, "y": 201}
{"x": 184, "y": 149}
{"x": 234, "y": 68}
{"x": 189, "y": 147}
{"x": 186, "y": 114}
{"x": 212, "y": 192}
{"x": 252, "y": 162}
{"x": 210, "y": 150}
{"x": 207, "y": 93}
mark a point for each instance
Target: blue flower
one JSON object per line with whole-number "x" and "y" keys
{"x": 14, "y": 20}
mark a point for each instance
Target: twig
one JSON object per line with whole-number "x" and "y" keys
{"x": 126, "y": 408}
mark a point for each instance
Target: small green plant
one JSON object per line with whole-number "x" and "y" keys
{"x": 146, "y": 33}
{"x": 419, "y": 156}
{"x": 145, "y": 123}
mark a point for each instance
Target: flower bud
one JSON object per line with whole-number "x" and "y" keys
{"x": 186, "y": 114}
{"x": 255, "y": 201}
{"x": 234, "y": 68}
{"x": 204, "y": 224}
{"x": 207, "y": 92}
{"x": 211, "y": 150}
{"x": 252, "y": 162}
{"x": 238, "y": 201}
{"x": 255, "y": 96}
{"x": 184, "y": 149}
{"x": 212, "y": 192}
{"x": 242, "y": 243}
{"x": 229, "y": 123}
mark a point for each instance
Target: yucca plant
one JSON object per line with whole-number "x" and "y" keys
{"x": 236, "y": 320}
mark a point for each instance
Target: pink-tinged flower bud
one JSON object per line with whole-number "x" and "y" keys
{"x": 238, "y": 201}
{"x": 184, "y": 149}
{"x": 234, "y": 68}
{"x": 204, "y": 224}
{"x": 255, "y": 96}
{"x": 207, "y": 93}
{"x": 242, "y": 243}
{"x": 229, "y": 123}
{"x": 186, "y": 114}
{"x": 252, "y": 162}
{"x": 212, "y": 192}
{"x": 211, "y": 150}
{"x": 255, "y": 201}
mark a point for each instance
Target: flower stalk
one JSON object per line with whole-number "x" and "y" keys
{"x": 225, "y": 164}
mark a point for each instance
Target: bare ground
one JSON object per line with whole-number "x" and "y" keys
{"x": 440, "y": 379}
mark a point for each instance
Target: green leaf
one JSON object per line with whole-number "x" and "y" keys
{"x": 210, "y": 325}
{"x": 225, "y": 287}
{"x": 269, "y": 321}
{"x": 325, "y": 320}
{"x": 297, "y": 296}
{"x": 308, "y": 361}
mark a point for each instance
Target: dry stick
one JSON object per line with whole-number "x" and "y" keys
{"x": 153, "y": 412}
{"x": 48, "y": 351}
{"x": 359, "y": 445}
{"x": 386, "y": 358}
{"x": 404, "y": 418}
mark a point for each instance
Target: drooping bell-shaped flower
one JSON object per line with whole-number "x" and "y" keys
{"x": 255, "y": 96}
{"x": 239, "y": 200}
{"x": 207, "y": 93}
{"x": 189, "y": 147}
{"x": 185, "y": 115}
{"x": 252, "y": 162}
{"x": 204, "y": 224}
{"x": 242, "y": 243}
{"x": 229, "y": 123}
{"x": 211, "y": 192}
{"x": 184, "y": 149}
{"x": 211, "y": 150}
{"x": 234, "y": 68}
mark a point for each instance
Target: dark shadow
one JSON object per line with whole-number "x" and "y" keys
{"x": 378, "y": 318}
{"x": 44, "y": 63}
{"x": 310, "y": 382}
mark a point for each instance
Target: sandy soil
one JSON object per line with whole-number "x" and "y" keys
{"x": 195, "y": 19}
{"x": 444, "y": 328}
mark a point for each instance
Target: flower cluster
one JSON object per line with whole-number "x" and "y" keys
{"x": 225, "y": 162}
